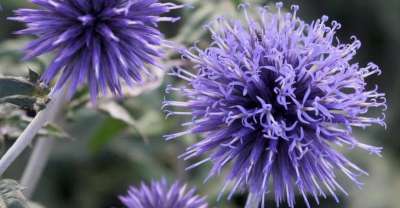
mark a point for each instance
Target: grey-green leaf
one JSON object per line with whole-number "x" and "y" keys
{"x": 15, "y": 86}
{"x": 24, "y": 102}
{"x": 11, "y": 195}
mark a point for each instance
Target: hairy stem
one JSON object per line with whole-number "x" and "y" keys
{"x": 25, "y": 139}
{"x": 36, "y": 165}
{"x": 253, "y": 201}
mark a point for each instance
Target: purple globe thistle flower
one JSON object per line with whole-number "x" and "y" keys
{"x": 161, "y": 195}
{"x": 102, "y": 41}
{"x": 273, "y": 98}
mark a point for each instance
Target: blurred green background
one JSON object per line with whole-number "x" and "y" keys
{"x": 108, "y": 150}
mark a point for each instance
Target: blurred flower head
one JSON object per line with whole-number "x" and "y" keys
{"x": 160, "y": 195}
{"x": 102, "y": 42}
{"x": 274, "y": 96}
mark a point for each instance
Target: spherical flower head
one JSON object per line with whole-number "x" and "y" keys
{"x": 274, "y": 97}
{"x": 158, "y": 194}
{"x": 103, "y": 42}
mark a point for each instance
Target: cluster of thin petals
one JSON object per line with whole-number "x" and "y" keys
{"x": 272, "y": 98}
{"x": 105, "y": 43}
{"x": 158, "y": 194}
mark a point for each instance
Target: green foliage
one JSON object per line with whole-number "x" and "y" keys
{"x": 24, "y": 102}
{"x": 54, "y": 131}
{"x": 109, "y": 128}
{"x": 13, "y": 121}
{"x": 27, "y": 94}
{"x": 237, "y": 2}
{"x": 16, "y": 86}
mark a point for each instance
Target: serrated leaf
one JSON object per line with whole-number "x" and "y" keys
{"x": 15, "y": 86}
{"x": 24, "y": 102}
{"x": 10, "y": 86}
{"x": 11, "y": 195}
{"x": 14, "y": 121}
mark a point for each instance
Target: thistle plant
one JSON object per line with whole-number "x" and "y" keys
{"x": 100, "y": 42}
{"x": 273, "y": 97}
{"x": 274, "y": 104}
{"x": 158, "y": 194}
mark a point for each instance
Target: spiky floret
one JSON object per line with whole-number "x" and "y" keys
{"x": 101, "y": 41}
{"x": 159, "y": 194}
{"x": 274, "y": 97}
